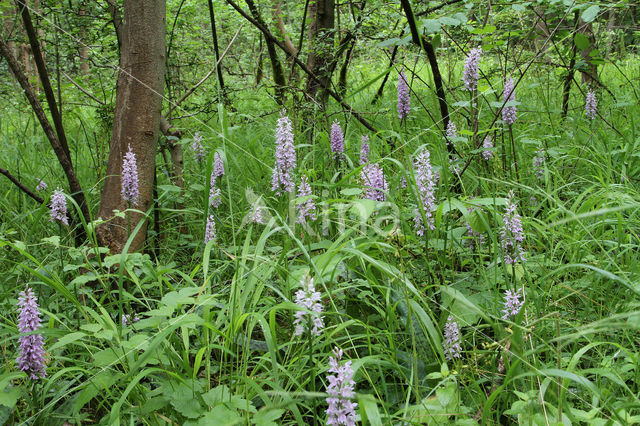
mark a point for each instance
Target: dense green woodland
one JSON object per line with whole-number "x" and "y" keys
{"x": 263, "y": 212}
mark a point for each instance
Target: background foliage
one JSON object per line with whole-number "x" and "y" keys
{"x": 214, "y": 341}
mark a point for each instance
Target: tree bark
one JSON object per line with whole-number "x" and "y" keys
{"x": 321, "y": 40}
{"x": 8, "y": 20}
{"x": 590, "y": 72}
{"x": 83, "y": 48}
{"x": 285, "y": 39}
{"x": 136, "y": 121}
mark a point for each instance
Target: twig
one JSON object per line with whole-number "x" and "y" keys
{"x": 215, "y": 67}
{"x": 82, "y": 89}
{"x": 19, "y": 184}
{"x": 304, "y": 68}
{"x": 435, "y": 8}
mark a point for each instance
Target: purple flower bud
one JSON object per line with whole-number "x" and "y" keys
{"x": 130, "y": 178}
{"x": 256, "y": 212}
{"x": 41, "y": 185}
{"x": 512, "y": 304}
{"x": 218, "y": 165}
{"x": 512, "y": 234}
{"x": 337, "y": 141}
{"x": 59, "y": 207}
{"x": 374, "y": 182}
{"x": 452, "y": 131}
{"x": 215, "y": 197}
{"x": 31, "y": 358}
{"x": 404, "y": 98}
{"x": 306, "y": 208}
{"x": 425, "y": 184}
{"x": 129, "y": 318}
{"x": 471, "y": 72}
{"x": 591, "y": 105}
{"x": 341, "y": 410}
{"x": 210, "y": 230}
{"x": 285, "y": 162}
{"x": 198, "y": 149}
{"x": 364, "y": 150}
{"x": 509, "y": 113}
{"x": 487, "y": 144}
{"x": 403, "y": 183}
{"x": 451, "y": 342}
{"x": 538, "y": 163}
{"x": 311, "y": 301}
{"x": 454, "y": 165}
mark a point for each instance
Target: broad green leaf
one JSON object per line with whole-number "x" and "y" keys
{"x": 447, "y": 20}
{"x": 581, "y": 41}
{"x": 369, "y": 410}
{"x": 590, "y": 13}
{"x": 430, "y": 26}
{"x": 10, "y": 397}
{"x": 267, "y": 417}
{"x": 221, "y": 416}
{"x": 389, "y": 42}
{"x": 351, "y": 191}
{"x": 67, "y": 339}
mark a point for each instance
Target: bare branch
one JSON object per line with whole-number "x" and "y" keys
{"x": 301, "y": 64}
{"x": 20, "y": 185}
{"x": 63, "y": 159}
{"x": 82, "y": 89}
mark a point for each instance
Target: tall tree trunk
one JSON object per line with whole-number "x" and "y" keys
{"x": 136, "y": 121}
{"x": 259, "y": 66}
{"x": 9, "y": 26}
{"x": 282, "y": 31}
{"x": 83, "y": 48}
{"x": 321, "y": 37}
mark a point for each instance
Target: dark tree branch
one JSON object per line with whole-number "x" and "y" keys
{"x": 63, "y": 159}
{"x": 435, "y": 70}
{"x": 19, "y": 184}
{"x": 216, "y": 50}
{"x": 82, "y": 89}
{"x": 334, "y": 95}
{"x": 116, "y": 19}
{"x": 44, "y": 76}
{"x": 438, "y": 7}
{"x": 378, "y": 94}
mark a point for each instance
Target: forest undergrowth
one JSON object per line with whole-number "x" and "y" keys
{"x": 310, "y": 269}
